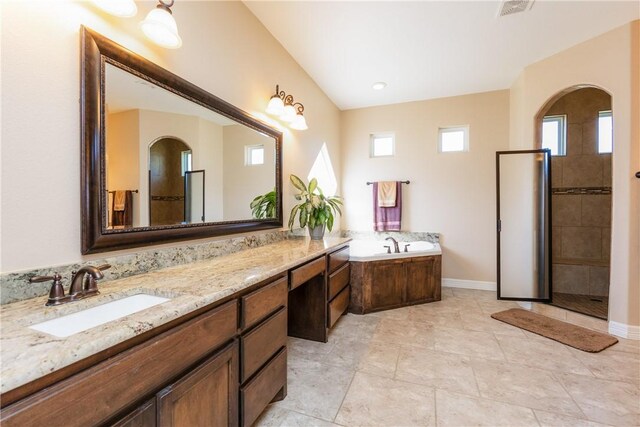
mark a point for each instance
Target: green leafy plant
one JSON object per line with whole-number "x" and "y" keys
{"x": 316, "y": 208}
{"x": 264, "y": 206}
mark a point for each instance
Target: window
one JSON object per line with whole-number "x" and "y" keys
{"x": 253, "y": 155}
{"x": 383, "y": 145}
{"x": 453, "y": 139}
{"x": 554, "y": 134}
{"x": 322, "y": 170}
{"x": 605, "y": 132}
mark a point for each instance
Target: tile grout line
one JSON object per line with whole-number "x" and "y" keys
{"x": 570, "y": 395}
{"x": 353, "y": 375}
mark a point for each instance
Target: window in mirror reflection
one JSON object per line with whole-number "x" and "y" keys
{"x": 254, "y": 155}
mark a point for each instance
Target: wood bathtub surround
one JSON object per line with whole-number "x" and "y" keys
{"x": 393, "y": 283}
{"x": 221, "y": 338}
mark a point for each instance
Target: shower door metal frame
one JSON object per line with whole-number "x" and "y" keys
{"x": 546, "y": 218}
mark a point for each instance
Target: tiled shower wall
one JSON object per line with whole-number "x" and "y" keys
{"x": 581, "y": 223}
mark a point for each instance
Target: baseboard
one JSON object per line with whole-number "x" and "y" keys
{"x": 469, "y": 284}
{"x": 623, "y": 330}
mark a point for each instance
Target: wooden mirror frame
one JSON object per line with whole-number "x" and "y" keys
{"x": 96, "y": 51}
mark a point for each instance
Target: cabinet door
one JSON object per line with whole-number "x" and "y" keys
{"x": 387, "y": 284}
{"x": 143, "y": 416}
{"x": 206, "y": 396}
{"x": 418, "y": 275}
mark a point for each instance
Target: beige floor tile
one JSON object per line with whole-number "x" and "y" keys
{"x": 549, "y": 354}
{"x": 609, "y": 402}
{"x": 395, "y": 314}
{"x": 474, "y": 294}
{"x": 436, "y": 369}
{"x": 458, "y": 410}
{"x": 276, "y": 416}
{"x": 446, "y": 292}
{"x": 468, "y": 343}
{"x": 380, "y": 359}
{"x": 523, "y": 386}
{"x": 550, "y": 311}
{"x": 398, "y": 332}
{"x": 549, "y": 419}
{"x": 610, "y": 365}
{"x": 346, "y": 352}
{"x": 422, "y": 314}
{"x": 315, "y": 389}
{"x": 354, "y": 326}
{"x": 378, "y": 401}
{"x": 626, "y": 346}
{"x": 490, "y": 307}
{"x": 309, "y": 350}
{"x": 485, "y": 323}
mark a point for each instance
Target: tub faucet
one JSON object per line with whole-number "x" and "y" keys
{"x": 396, "y": 248}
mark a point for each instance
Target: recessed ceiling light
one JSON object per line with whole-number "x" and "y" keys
{"x": 379, "y": 85}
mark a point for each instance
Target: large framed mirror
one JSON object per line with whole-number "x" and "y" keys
{"x": 164, "y": 160}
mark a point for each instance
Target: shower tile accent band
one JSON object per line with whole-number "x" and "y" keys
{"x": 581, "y": 190}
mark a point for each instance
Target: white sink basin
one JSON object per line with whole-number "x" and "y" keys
{"x": 70, "y": 324}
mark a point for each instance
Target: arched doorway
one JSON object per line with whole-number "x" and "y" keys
{"x": 576, "y": 124}
{"x": 169, "y": 159}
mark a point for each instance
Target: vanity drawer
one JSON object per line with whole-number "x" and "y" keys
{"x": 311, "y": 269}
{"x": 260, "y": 344}
{"x": 338, "y": 280}
{"x": 338, "y": 306}
{"x": 259, "y": 304}
{"x": 261, "y": 390}
{"x": 98, "y": 393}
{"x": 337, "y": 258}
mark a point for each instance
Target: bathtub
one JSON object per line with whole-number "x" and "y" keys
{"x": 374, "y": 250}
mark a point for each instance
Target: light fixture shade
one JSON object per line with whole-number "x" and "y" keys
{"x": 275, "y": 106}
{"x": 160, "y": 27}
{"x": 289, "y": 113}
{"x": 299, "y": 123}
{"x": 121, "y": 8}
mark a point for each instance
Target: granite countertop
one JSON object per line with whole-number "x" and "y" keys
{"x": 26, "y": 354}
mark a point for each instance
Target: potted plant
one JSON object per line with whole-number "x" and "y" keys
{"x": 316, "y": 210}
{"x": 264, "y": 205}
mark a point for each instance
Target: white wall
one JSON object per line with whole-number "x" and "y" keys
{"x": 450, "y": 193}
{"x": 226, "y": 51}
{"x": 609, "y": 61}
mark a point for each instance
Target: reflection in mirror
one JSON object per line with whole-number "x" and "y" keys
{"x": 154, "y": 138}
{"x": 194, "y": 195}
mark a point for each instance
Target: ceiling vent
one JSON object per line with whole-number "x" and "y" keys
{"x": 509, "y": 7}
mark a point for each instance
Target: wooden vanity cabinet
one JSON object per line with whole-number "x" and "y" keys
{"x": 393, "y": 283}
{"x": 206, "y": 396}
{"x": 263, "y": 341}
{"x": 338, "y": 289}
{"x": 318, "y": 295}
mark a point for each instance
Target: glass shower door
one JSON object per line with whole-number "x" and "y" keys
{"x": 194, "y": 196}
{"x": 524, "y": 225}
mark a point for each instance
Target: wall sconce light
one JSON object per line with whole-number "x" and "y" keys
{"x": 299, "y": 122}
{"x": 282, "y": 105}
{"x": 160, "y": 26}
{"x": 121, "y": 8}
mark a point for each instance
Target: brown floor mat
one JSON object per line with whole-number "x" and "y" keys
{"x": 566, "y": 333}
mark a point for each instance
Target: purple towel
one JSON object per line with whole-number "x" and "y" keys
{"x": 387, "y": 219}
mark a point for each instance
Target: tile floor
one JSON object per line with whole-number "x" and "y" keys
{"x": 449, "y": 364}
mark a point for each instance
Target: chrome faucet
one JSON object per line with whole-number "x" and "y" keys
{"x": 396, "y": 248}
